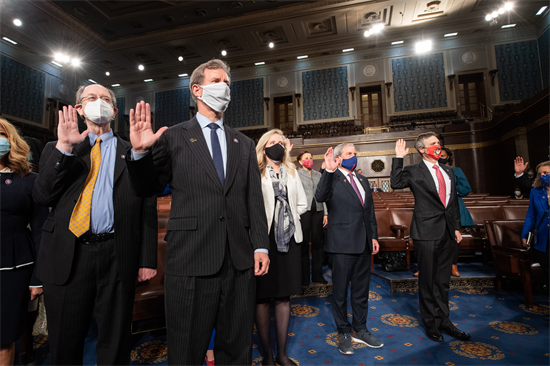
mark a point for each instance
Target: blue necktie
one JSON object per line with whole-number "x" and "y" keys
{"x": 217, "y": 152}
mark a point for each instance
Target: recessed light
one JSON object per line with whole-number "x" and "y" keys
{"x": 488, "y": 17}
{"x": 423, "y": 46}
{"x": 366, "y": 34}
{"x": 141, "y": 67}
{"x": 301, "y": 57}
{"x": 108, "y": 73}
{"x": 450, "y": 34}
{"x": 508, "y": 6}
{"x": 75, "y": 62}
{"x": 501, "y": 11}
{"x": 541, "y": 10}
{"x": 9, "y": 40}
{"x": 182, "y": 75}
{"x": 92, "y": 81}
{"x": 57, "y": 64}
{"x": 65, "y": 58}
{"x": 259, "y": 63}
{"x": 180, "y": 58}
{"x": 115, "y": 85}
{"x": 148, "y": 80}
{"x": 224, "y": 53}
{"x": 508, "y": 26}
{"x": 348, "y": 50}
{"x": 17, "y": 22}
{"x": 271, "y": 44}
{"x": 398, "y": 42}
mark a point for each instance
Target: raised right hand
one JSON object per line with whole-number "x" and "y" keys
{"x": 519, "y": 167}
{"x": 141, "y": 132}
{"x": 330, "y": 164}
{"x": 67, "y": 130}
{"x": 400, "y": 148}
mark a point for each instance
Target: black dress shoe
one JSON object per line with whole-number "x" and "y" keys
{"x": 455, "y": 332}
{"x": 434, "y": 334}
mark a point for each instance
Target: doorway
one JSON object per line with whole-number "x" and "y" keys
{"x": 284, "y": 114}
{"x": 471, "y": 90}
{"x": 371, "y": 105}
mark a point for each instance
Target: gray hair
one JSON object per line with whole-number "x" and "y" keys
{"x": 197, "y": 77}
{"x": 81, "y": 88}
{"x": 419, "y": 144}
{"x": 338, "y": 149}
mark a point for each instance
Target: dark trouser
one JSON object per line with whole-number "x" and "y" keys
{"x": 312, "y": 227}
{"x": 456, "y": 252}
{"x": 197, "y": 305}
{"x": 543, "y": 258}
{"x": 354, "y": 268}
{"x": 94, "y": 288}
{"x": 434, "y": 262}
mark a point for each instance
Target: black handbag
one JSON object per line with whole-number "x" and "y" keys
{"x": 533, "y": 236}
{"x": 394, "y": 261}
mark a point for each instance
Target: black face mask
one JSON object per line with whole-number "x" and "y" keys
{"x": 275, "y": 152}
{"x": 443, "y": 161}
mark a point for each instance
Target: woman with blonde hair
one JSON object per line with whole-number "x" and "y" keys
{"x": 18, "y": 244}
{"x": 284, "y": 200}
{"x": 538, "y": 217}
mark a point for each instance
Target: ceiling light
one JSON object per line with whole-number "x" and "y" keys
{"x": 508, "y": 6}
{"x": 301, "y": 57}
{"x": 494, "y": 14}
{"x": 75, "y": 62}
{"x": 9, "y": 40}
{"x": 488, "y": 17}
{"x": 141, "y": 67}
{"x": 148, "y": 80}
{"x": 501, "y": 11}
{"x": 450, "y": 34}
{"x": 182, "y": 75}
{"x": 271, "y": 44}
{"x": 17, "y": 22}
{"x": 541, "y": 10}
{"x": 57, "y": 64}
{"x": 366, "y": 34}
{"x": 180, "y": 58}
{"x": 348, "y": 50}
{"x": 65, "y": 58}
{"x": 398, "y": 42}
{"x": 423, "y": 46}
{"x": 92, "y": 81}
{"x": 259, "y": 63}
{"x": 115, "y": 85}
{"x": 508, "y": 26}
{"x": 108, "y": 73}
{"x": 224, "y": 53}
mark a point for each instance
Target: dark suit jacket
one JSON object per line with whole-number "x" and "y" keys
{"x": 524, "y": 185}
{"x": 59, "y": 185}
{"x": 205, "y": 217}
{"x": 430, "y": 217}
{"x": 350, "y": 226}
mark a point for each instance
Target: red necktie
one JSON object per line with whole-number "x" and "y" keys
{"x": 442, "y": 186}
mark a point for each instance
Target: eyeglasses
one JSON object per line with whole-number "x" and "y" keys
{"x": 93, "y": 98}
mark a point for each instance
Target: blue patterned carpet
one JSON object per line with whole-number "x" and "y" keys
{"x": 504, "y": 332}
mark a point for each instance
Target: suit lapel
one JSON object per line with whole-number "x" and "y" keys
{"x": 345, "y": 181}
{"x": 451, "y": 175}
{"x": 120, "y": 162}
{"x": 233, "y": 156}
{"x": 366, "y": 187}
{"x": 82, "y": 150}
{"x": 194, "y": 137}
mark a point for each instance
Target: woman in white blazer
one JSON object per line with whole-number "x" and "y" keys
{"x": 284, "y": 200}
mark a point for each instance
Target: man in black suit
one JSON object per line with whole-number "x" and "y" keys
{"x": 352, "y": 237}
{"x": 217, "y": 232}
{"x": 434, "y": 229}
{"x": 523, "y": 181}
{"x": 99, "y": 237}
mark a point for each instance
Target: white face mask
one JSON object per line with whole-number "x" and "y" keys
{"x": 517, "y": 193}
{"x": 216, "y": 96}
{"x": 99, "y": 111}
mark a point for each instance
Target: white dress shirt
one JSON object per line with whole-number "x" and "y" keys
{"x": 445, "y": 177}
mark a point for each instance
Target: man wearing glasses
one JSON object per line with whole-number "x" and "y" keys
{"x": 99, "y": 239}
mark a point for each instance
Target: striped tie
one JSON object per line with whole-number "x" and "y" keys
{"x": 80, "y": 219}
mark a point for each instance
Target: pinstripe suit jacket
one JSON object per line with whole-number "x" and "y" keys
{"x": 205, "y": 216}
{"x": 59, "y": 185}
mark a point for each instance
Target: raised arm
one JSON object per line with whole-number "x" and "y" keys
{"x": 324, "y": 188}
{"x": 399, "y": 177}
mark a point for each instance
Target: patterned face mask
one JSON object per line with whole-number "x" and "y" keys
{"x": 434, "y": 152}
{"x": 545, "y": 180}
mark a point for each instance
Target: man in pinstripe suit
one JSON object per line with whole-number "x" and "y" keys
{"x": 217, "y": 232}
{"x": 99, "y": 237}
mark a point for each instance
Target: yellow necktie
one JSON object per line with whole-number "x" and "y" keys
{"x": 80, "y": 219}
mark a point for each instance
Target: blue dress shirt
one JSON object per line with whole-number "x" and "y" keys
{"x": 103, "y": 214}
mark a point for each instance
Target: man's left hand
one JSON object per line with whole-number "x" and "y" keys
{"x": 35, "y": 292}
{"x": 458, "y": 236}
{"x": 375, "y": 246}
{"x": 261, "y": 263}
{"x": 145, "y": 274}
{"x": 325, "y": 220}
